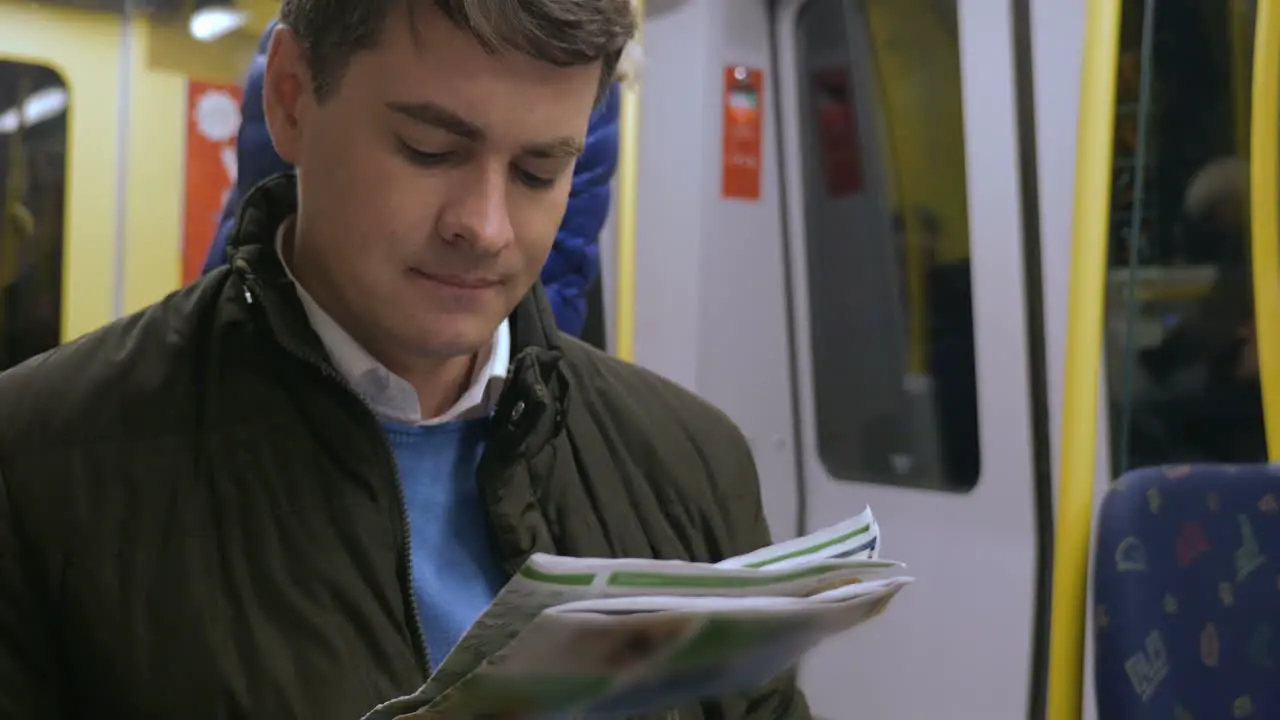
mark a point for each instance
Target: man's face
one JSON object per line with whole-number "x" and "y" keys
{"x": 432, "y": 180}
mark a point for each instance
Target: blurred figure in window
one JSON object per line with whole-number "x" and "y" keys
{"x": 948, "y": 332}
{"x": 1204, "y": 403}
{"x": 1216, "y": 206}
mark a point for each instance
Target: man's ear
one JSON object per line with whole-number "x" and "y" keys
{"x": 286, "y": 92}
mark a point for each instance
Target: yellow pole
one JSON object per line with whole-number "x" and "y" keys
{"x": 628, "y": 191}
{"x": 1264, "y": 230}
{"x": 1085, "y": 317}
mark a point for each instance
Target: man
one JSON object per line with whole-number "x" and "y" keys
{"x": 1202, "y": 401}
{"x": 572, "y": 268}
{"x": 1215, "y": 206}
{"x": 286, "y": 490}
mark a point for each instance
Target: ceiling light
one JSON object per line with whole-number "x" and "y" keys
{"x": 214, "y": 21}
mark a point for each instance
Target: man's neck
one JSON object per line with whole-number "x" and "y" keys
{"x": 439, "y": 381}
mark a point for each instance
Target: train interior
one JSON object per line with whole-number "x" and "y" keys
{"x": 856, "y": 230}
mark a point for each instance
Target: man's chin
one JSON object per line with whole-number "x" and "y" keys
{"x": 452, "y": 339}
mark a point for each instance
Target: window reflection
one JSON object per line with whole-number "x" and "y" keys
{"x": 1182, "y": 364}
{"x": 33, "y": 141}
{"x": 887, "y": 236}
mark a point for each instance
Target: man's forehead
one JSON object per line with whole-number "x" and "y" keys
{"x": 446, "y": 80}
{"x": 420, "y": 28}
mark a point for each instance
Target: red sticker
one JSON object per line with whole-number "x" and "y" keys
{"x": 743, "y": 98}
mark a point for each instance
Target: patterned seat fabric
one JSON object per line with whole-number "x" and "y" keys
{"x": 1187, "y": 594}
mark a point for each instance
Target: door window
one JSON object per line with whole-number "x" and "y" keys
{"x": 1182, "y": 364}
{"x": 887, "y": 257}
{"x": 33, "y": 161}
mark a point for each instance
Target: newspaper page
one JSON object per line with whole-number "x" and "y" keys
{"x": 625, "y": 657}
{"x": 794, "y": 568}
{"x": 857, "y": 537}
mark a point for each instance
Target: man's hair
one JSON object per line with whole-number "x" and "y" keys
{"x": 564, "y": 33}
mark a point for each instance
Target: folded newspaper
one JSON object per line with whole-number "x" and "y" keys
{"x": 582, "y": 637}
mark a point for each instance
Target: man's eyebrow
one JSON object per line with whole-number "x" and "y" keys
{"x": 429, "y": 113}
{"x": 563, "y": 147}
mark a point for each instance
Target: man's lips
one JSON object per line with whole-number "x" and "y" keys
{"x": 460, "y": 282}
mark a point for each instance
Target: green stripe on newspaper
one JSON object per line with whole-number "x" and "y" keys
{"x": 673, "y": 580}
{"x": 812, "y": 548}
{"x": 575, "y": 579}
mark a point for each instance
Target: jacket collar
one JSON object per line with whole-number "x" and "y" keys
{"x": 529, "y": 412}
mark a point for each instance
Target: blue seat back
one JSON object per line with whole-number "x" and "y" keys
{"x": 1187, "y": 594}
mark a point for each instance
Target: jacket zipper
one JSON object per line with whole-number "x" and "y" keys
{"x": 415, "y": 622}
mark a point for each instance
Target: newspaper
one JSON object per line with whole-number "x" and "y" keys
{"x": 612, "y": 638}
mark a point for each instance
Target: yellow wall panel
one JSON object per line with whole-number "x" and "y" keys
{"x": 154, "y": 177}
{"x": 162, "y": 59}
{"x": 169, "y": 48}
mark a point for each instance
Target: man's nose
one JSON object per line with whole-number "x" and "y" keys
{"x": 476, "y": 211}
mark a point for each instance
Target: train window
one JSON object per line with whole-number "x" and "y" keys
{"x": 1181, "y": 364}
{"x": 33, "y": 150}
{"x": 886, "y": 223}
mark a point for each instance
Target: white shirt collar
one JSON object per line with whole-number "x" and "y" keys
{"x": 391, "y": 396}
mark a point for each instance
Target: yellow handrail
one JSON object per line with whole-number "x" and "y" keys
{"x": 628, "y": 191}
{"x": 1084, "y": 353}
{"x": 1264, "y": 154}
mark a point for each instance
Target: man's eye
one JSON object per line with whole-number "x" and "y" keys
{"x": 537, "y": 182}
{"x": 423, "y": 158}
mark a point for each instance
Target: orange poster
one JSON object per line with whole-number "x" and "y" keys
{"x": 743, "y": 88}
{"x": 213, "y": 122}
{"x": 837, "y": 131}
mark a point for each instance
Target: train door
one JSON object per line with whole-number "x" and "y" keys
{"x": 106, "y": 169}
{"x": 59, "y": 141}
{"x": 910, "y": 340}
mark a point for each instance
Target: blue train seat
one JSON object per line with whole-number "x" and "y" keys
{"x": 1187, "y": 594}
